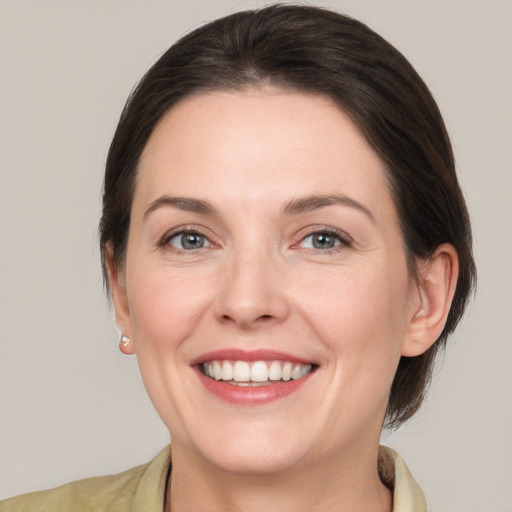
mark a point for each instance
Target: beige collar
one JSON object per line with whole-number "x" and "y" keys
{"x": 407, "y": 495}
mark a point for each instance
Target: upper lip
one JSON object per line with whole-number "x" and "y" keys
{"x": 232, "y": 354}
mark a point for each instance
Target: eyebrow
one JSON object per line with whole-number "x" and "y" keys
{"x": 293, "y": 207}
{"x": 315, "y": 202}
{"x": 186, "y": 204}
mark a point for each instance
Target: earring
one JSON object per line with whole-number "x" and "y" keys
{"x": 123, "y": 343}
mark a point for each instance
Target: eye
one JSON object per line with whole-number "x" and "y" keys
{"x": 188, "y": 241}
{"x": 324, "y": 240}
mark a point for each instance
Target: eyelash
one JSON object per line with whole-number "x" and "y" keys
{"x": 166, "y": 240}
{"x": 340, "y": 236}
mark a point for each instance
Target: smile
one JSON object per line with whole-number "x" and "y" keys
{"x": 252, "y": 377}
{"x": 256, "y": 373}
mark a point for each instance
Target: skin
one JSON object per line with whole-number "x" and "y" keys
{"x": 258, "y": 283}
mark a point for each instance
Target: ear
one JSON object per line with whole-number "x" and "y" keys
{"x": 117, "y": 284}
{"x": 437, "y": 280}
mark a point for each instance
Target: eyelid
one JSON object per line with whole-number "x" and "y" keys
{"x": 344, "y": 238}
{"x": 184, "y": 234}
{"x": 180, "y": 230}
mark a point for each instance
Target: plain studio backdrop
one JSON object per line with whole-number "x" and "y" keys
{"x": 71, "y": 405}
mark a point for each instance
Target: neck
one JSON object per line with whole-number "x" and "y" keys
{"x": 343, "y": 483}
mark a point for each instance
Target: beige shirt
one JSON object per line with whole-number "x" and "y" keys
{"x": 142, "y": 489}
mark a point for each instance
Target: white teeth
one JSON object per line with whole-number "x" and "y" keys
{"x": 287, "y": 371}
{"x": 217, "y": 370}
{"x": 274, "y": 372}
{"x": 227, "y": 371}
{"x": 296, "y": 373}
{"x": 259, "y": 372}
{"x": 243, "y": 373}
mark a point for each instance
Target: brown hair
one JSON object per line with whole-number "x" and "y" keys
{"x": 319, "y": 51}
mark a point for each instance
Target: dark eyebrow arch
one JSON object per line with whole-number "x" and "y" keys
{"x": 315, "y": 202}
{"x": 182, "y": 203}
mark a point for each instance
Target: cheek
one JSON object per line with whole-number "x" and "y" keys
{"x": 164, "y": 308}
{"x": 165, "y": 311}
{"x": 360, "y": 314}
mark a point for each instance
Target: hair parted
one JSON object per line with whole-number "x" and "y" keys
{"x": 315, "y": 50}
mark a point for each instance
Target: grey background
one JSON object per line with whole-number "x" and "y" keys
{"x": 70, "y": 405}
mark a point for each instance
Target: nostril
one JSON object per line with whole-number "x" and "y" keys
{"x": 264, "y": 318}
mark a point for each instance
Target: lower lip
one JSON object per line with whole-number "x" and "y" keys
{"x": 251, "y": 395}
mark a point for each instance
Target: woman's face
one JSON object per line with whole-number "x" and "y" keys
{"x": 264, "y": 244}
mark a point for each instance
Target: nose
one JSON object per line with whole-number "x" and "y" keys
{"x": 252, "y": 294}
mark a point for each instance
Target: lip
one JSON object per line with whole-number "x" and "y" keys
{"x": 248, "y": 355}
{"x": 249, "y": 395}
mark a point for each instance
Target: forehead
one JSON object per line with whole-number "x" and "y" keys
{"x": 256, "y": 144}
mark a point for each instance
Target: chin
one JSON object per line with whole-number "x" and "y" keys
{"x": 262, "y": 451}
{"x": 264, "y": 460}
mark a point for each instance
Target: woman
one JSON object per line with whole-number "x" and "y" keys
{"x": 287, "y": 248}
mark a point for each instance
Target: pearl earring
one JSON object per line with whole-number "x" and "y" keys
{"x": 124, "y": 342}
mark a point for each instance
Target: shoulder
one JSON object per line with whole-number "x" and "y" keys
{"x": 96, "y": 494}
{"x": 113, "y": 493}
